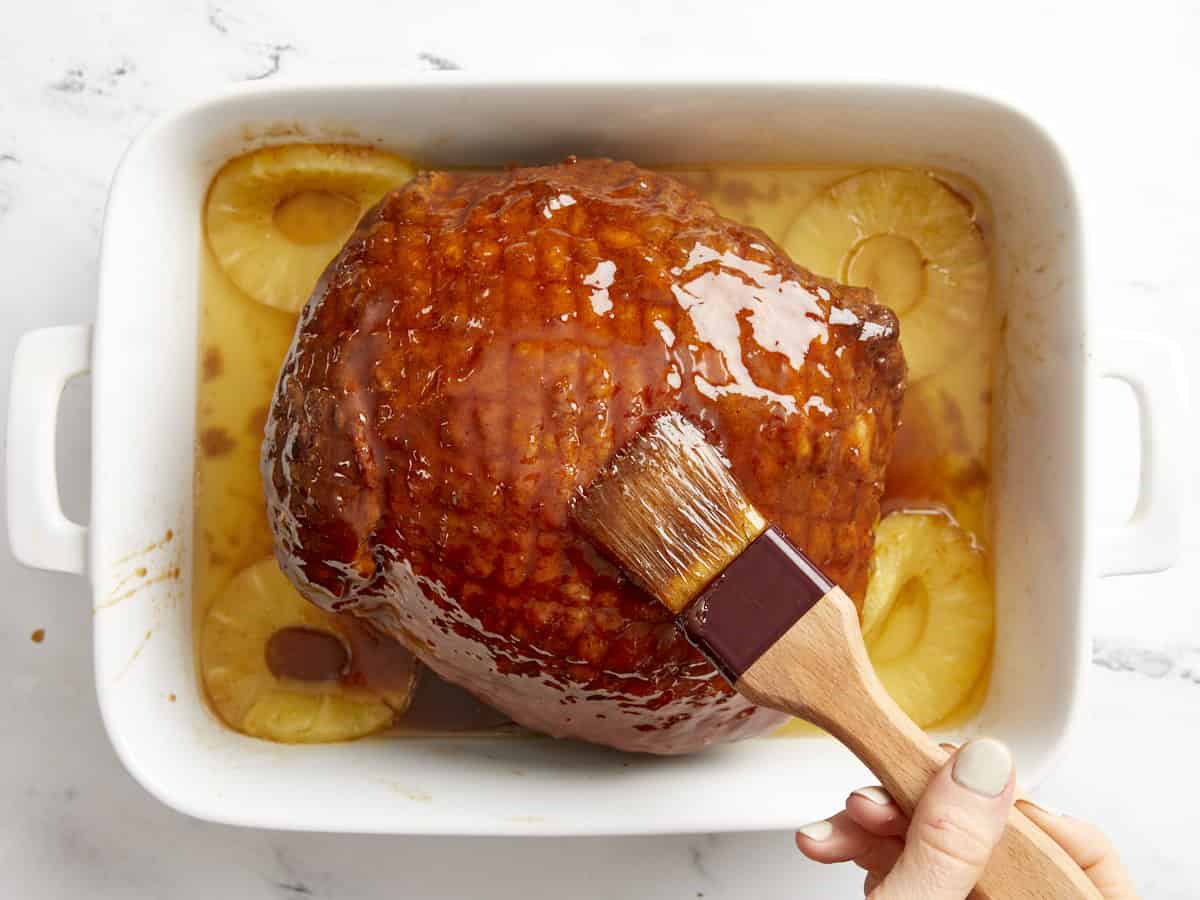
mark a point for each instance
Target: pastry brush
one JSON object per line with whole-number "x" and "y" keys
{"x": 669, "y": 511}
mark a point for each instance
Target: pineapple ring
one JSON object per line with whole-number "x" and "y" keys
{"x": 276, "y": 217}
{"x": 928, "y": 614}
{"x": 258, "y": 603}
{"x": 913, "y": 241}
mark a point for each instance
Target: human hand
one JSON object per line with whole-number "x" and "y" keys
{"x": 942, "y": 851}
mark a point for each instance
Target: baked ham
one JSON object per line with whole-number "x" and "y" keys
{"x": 480, "y": 348}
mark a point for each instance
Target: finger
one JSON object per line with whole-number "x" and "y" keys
{"x": 1089, "y": 847}
{"x": 834, "y": 840}
{"x": 873, "y": 880}
{"x": 955, "y": 826}
{"x": 874, "y": 810}
{"x": 839, "y": 839}
{"x": 880, "y": 856}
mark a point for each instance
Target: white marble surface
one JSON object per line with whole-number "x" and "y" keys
{"x": 79, "y": 80}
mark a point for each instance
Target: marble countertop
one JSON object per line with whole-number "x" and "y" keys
{"x": 78, "y": 81}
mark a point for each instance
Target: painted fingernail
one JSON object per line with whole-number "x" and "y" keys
{"x": 983, "y": 767}
{"x": 875, "y": 794}
{"x": 818, "y": 831}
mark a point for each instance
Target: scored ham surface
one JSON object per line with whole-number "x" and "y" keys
{"x": 480, "y": 348}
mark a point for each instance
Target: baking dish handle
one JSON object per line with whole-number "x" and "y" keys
{"x": 1153, "y": 366}
{"x": 41, "y": 535}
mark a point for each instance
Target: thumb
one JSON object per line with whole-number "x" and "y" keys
{"x": 955, "y": 827}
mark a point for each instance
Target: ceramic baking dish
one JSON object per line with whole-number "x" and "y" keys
{"x": 141, "y": 354}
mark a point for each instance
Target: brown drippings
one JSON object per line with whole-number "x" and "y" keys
{"x": 39, "y": 635}
{"x": 441, "y": 707}
{"x": 216, "y": 442}
{"x": 156, "y": 545}
{"x": 738, "y": 192}
{"x": 212, "y": 364}
{"x": 376, "y": 661}
{"x": 140, "y": 571}
{"x": 382, "y": 664}
{"x": 934, "y": 465}
{"x": 256, "y": 424}
{"x": 305, "y": 654}
{"x": 742, "y": 191}
{"x": 171, "y": 698}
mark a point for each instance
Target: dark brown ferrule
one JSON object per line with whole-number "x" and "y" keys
{"x": 752, "y": 603}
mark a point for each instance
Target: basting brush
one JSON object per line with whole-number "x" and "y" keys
{"x": 669, "y": 511}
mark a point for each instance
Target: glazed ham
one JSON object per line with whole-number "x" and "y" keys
{"x": 480, "y": 348}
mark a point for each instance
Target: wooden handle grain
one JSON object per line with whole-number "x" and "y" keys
{"x": 819, "y": 671}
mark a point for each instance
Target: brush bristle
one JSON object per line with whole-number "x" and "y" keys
{"x": 667, "y": 508}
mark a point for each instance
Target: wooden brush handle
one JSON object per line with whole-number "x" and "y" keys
{"x": 819, "y": 671}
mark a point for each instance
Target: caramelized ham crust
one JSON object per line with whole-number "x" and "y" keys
{"x": 480, "y": 348}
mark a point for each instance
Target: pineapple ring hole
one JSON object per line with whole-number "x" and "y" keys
{"x": 889, "y": 264}
{"x": 306, "y": 654}
{"x": 905, "y": 624}
{"x": 316, "y": 217}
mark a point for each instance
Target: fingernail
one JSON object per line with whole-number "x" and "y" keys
{"x": 875, "y": 794}
{"x": 983, "y": 767}
{"x": 1048, "y": 810}
{"x": 818, "y": 831}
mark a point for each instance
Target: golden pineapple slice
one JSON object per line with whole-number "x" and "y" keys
{"x": 912, "y": 240}
{"x": 928, "y": 614}
{"x": 277, "y": 216}
{"x": 257, "y": 607}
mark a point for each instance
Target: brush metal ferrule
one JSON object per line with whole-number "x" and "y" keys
{"x": 752, "y": 603}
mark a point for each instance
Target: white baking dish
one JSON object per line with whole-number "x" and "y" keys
{"x": 142, "y": 357}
